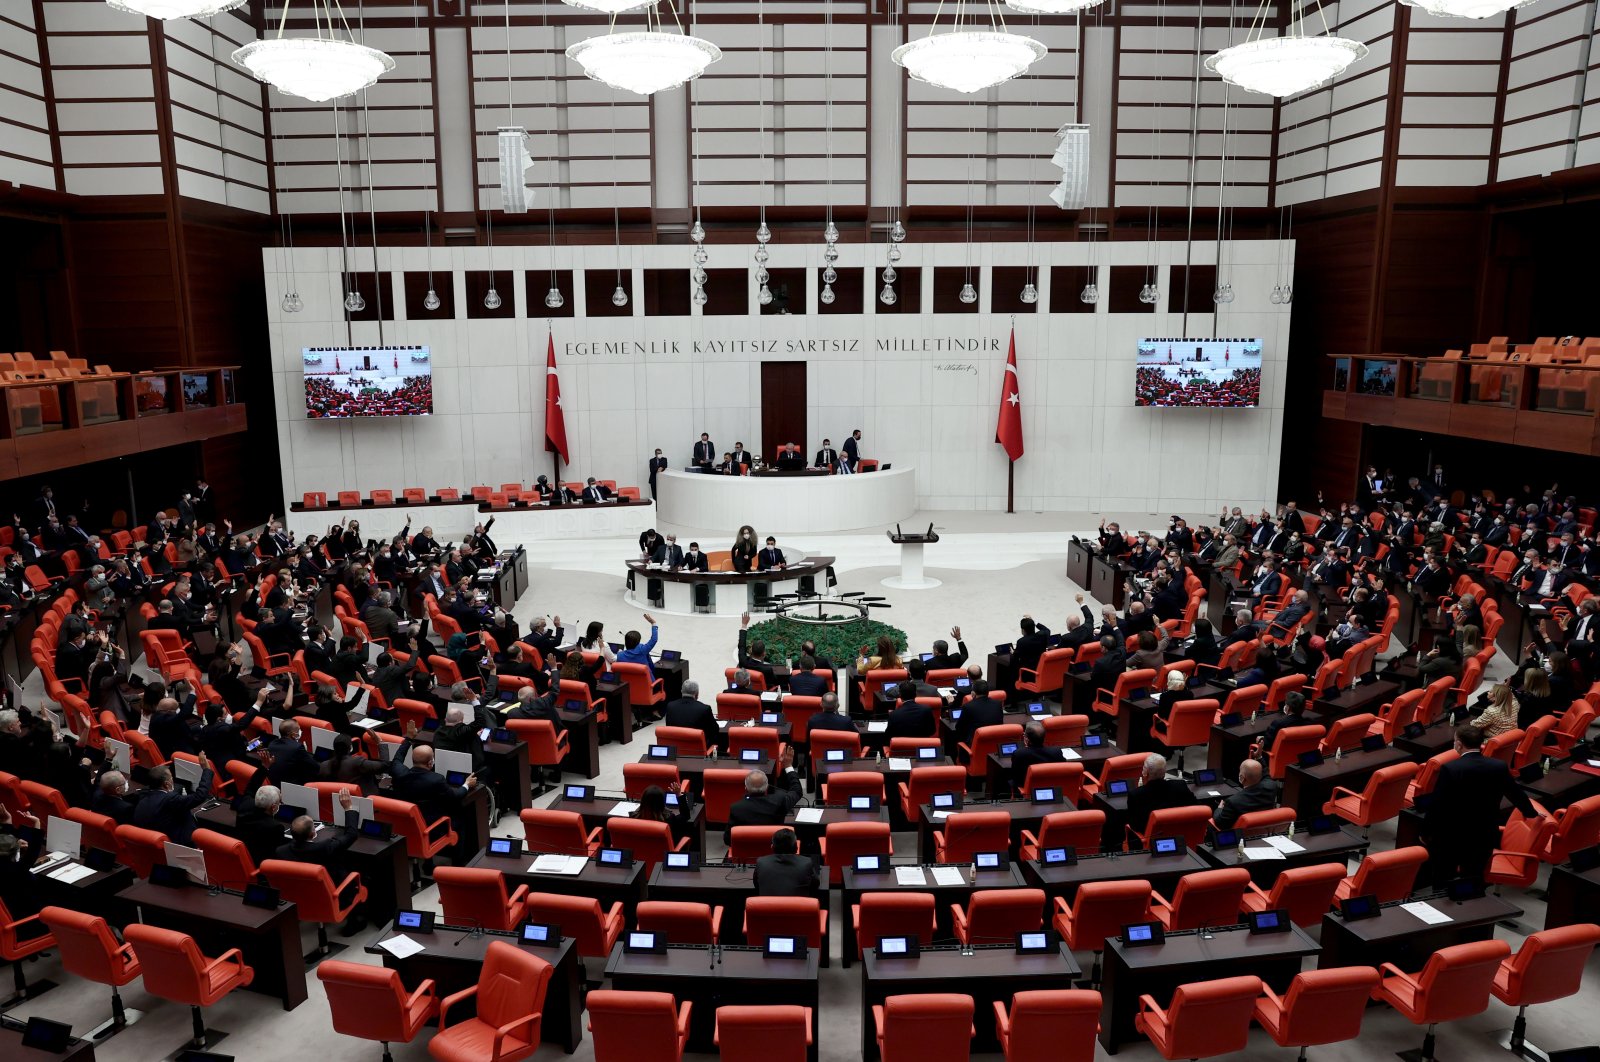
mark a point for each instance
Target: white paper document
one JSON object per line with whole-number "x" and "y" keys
{"x": 63, "y": 835}
{"x": 367, "y": 724}
{"x": 400, "y": 947}
{"x": 120, "y": 753}
{"x": 811, "y": 815}
{"x": 191, "y": 861}
{"x": 624, "y": 809}
{"x": 948, "y": 876}
{"x": 1262, "y": 853}
{"x": 1426, "y": 911}
{"x": 551, "y": 863}
{"x": 1284, "y": 844}
{"x": 940, "y": 815}
{"x": 305, "y": 798}
{"x": 1070, "y": 754}
{"x": 1212, "y": 793}
{"x": 68, "y": 873}
{"x": 899, "y": 763}
{"x": 878, "y": 726}
{"x": 909, "y": 876}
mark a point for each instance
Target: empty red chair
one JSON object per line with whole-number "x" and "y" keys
{"x": 1305, "y": 892}
{"x": 841, "y": 842}
{"x": 892, "y": 914}
{"x": 1099, "y": 910}
{"x": 649, "y": 841}
{"x": 764, "y": 739}
{"x": 1427, "y": 776}
{"x": 637, "y": 777}
{"x": 721, "y": 788}
{"x": 1189, "y": 823}
{"x": 643, "y": 691}
{"x": 1064, "y": 731}
{"x": 174, "y": 970}
{"x": 1057, "y": 1024}
{"x": 509, "y": 996}
{"x": 546, "y": 748}
{"x": 349, "y": 499}
{"x": 1321, "y": 1007}
{"x": 1121, "y": 768}
{"x": 89, "y": 950}
{"x": 1387, "y": 875}
{"x": 140, "y": 849}
{"x": 750, "y": 843}
{"x": 310, "y": 888}
{"x": 1065, "y": 778}
{"x": 1577, "y": 827}
{"x": 1383, "y": 798}
{"x": 98, "y": 831}
{"x": 1515, "y": 860}
{"x": 559, "y": 832}
{"x": 15, "y": 948}
{"x": 784, "y": 916}
{"x": 1188, "y": 724}
{"x": 1206, "y": 897}
{"x": 371, "y": 1003}
{"x": 1049, "y": 677}
{"x": 996, "y": 916}
{"x": 1549, "y": 966}
{"x": 739, "y": 707}
{"x": 1205, "y": 1018}
{"x": 1263, "y": 820}
{"x": 424, "y": 840}
{"x": 1081, "y": 831}
{"x": 681, "y": 923}
{"x": 772, "y": 1033}
{"x": 1130, "y": 685}
{"x": 637, "y": 1025}
{"x": 1289, "y": 744}
{"x": 476, "y": 896}
{"x": 922, "y": 783}
{"x": 228, "y": 862}
{"x": 840, "y": 787}
{"x": 968, "y": 832}
{"x": 580, "y": 918}
{"x": 924, "y": 1028}
{"x": 1454, "y": 984}
{"x": 985, "y": 742}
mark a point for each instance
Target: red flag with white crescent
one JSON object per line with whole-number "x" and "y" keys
{"x": 1008, "y": 431}
{"x": 555, "y": 423}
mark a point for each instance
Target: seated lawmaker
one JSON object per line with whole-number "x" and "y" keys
{"x": 689, "y": 711}
{"x": 827, "y": 457}
{"x": 765, "y": 805}
{"x": 786, "y": 872}
{"x": 1256, "y": 793}
{"x": 910, "y": 719}
{"x": 695, "y": 560}
{"x": 771, "y": 558}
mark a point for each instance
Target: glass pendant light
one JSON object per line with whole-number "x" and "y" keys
{"x": 830, "y": 275}
{"x": 699, "y": 295}
{"x": 827, "y": 295}
{"x": 897, "y": 233}
{"x": 762, "y": 255}
{"x": 554, "y": 299}
{"x": 763, "y": 234}
{"x": 894, "y": 253}
{"x": 830, "y": 253}
{"x": 1288, "y": 294}
{"x": 697, "y": 233}
{"x": 890, "y": 275}
{"x": 292, "y": 303}
{"x": 619, "y": 297}
{"x": 1089, "y": 295}
{"x": 887, "y": 296}
{"x": 430, "y": 301}
{"x": 1030, "y": 294}
{"x": 698, "y": 275}
{"x": 765, "y": 296}
{"x": 831, "y": 233}
{"x": 491, "y": 299}
{"x": 969, "y": 294}
{"x": 354, "y": 302}
{"x": 762, "y": 276}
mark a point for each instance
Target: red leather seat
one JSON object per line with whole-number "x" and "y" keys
{"x": 1064, "y": 731}
{"x": 1305, "y": 892}
{"x": 1454, "y": 984}
{"x": 985, "y": 742}
{"x": 1388, "y": 875}
{"x": 89, "y": 950}
{"x": 424, "y": 840}
{"x": 637, "y": 777}
{"x": 1549, "y": 966}
{"x": 637, "y": 1026}
{"x": 1205, "y": 1018}
{"x": 764, "y": 739}
{"x": 1189, "y": 723}
{"x": 922, "y": 783}
{"x": 838, "y": 788}
{"x": 685, "y": 739}
{"x": 1289, "y": 744}
{"x": 228, "y": 861}
{"x": 310, "y": 888}
{"x": 650, "y": 841}
{"x": 371, "y": 1003}
{"x": 996, "y": 916}
{"x": 1081, "y": 831}
{"x": 1100, "y": 910}
{"x": 174, "y": 970}
{"x": 1049, "y": 677}
{"x": 1124, "y": 767}
{"x": 1189, "y": 823}
{"x": 1321, "y": 1007}
{"x": 580, "y": 918}
{"x": 892, "y": 914}
{"x": 510, "y": 996}
{"x": 14, "y": 948}
{"x": 750, "y": 843}
{"x": 643, "y": 691}
{"x": 1515, "y": 860}
{"x": 1383, "y": 798}
{"x": 559, "y": 832}
{"x": 784, "y": 916}
{"x": 1058, "y": 1024}
{"x": 681, "y": 923}
{"x": 738, "y": 707}
{"x": 721, "y": 788}
{"x": 1206, "y": 897}
{"x": 763, "y": 1034}
{"x": 1065, "y": 778}
{"x": 924, "y": 1028}
{"x": 968, "y": 832}
{"x": 1263, "y": 820}
{"x": 476, "y": 896}
{"x": 140, "y": 849}
{"x": 546, "y": 748}
{"x": 841, "y": 842}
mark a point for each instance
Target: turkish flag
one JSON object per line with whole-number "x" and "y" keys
{"x": 1008, "y": 430}
{"x": 555, "y": 424}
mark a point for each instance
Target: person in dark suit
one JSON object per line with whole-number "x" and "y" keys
{"x": 670, "y": 553}
{"x": 1293, "y": 714}
{"x": 650, "y": 542}
{"x": 830, "y": 718}
{"x": 705, "y": 453}
{"x": 1031, "y": 646}
{"x": 169, "y": 728}
{"x": 306, "y": 845}
{"x": 222, "y": 738}
{"x": 689, "y": 711}
{"x": 1267, "y": 582}
{"x": 1246, "y": 628}
{"x": 168, "y": 811}
{"x": 593, "y": 491}
{"x": 852, "y": 450}
{"x": 1256, "y": 793}
{"x": 803, "y": 683}
{"x": 1462, "y": 821}
{"x": 290, "y": 760}
{"x": 740, "y": 458}
{"x": 942, "y": 660}
{"x": 763, "y": 805}
{"x": 979, "y": 712}
{"x": 827, "y": 457}
{"x": 1033, "y": 751}
{"x": 111, "y": 798}
{"x": 658, "y": 463}
{"x": 786, "y": 872}
{"x": 695, "y": 560}
{"x": 1156, "y": 791}
{"x": 753, "y": 655}
{"x": 257, "y": 824}
{"x": 1111, "y": 663}
{"x": 771, "y": 558}
{"x": 425, "y": 787}
{"x": 910, "y": 719}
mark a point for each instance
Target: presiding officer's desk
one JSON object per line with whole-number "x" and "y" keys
{"x": 1158, "y": 970}
{"x": 728, "y": 593}
{"x": 720, "y": 977}
{"x": 787, "y": 503}
{"x": 992, "y": 973}
{"x": 452, "y": 521}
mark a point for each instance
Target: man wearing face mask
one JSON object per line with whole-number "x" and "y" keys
{"x": 1498, "y": 534}
{"x": 658, "y": 463}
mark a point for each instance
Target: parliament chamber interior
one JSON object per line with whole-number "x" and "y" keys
{"x": 639, "y": 529}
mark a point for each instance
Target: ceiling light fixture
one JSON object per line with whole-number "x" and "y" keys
{"x": 966, "y": 59}
{"x": 1052, "y": 7}
{"x": 646, "y": 62}
{"x": 170, "y": 9}
{"x": 319, "y": 68}
{"x": 1462, "y": 8}
{"x": 1286, "y": 65}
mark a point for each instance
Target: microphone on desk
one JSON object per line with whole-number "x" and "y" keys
{"x": 476, "y": 931}
{"x": 1203, "y": 931}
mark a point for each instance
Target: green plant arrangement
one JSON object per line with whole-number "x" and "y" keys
{"x": 838, "y": 642}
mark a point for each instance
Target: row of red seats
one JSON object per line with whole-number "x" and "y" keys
{"x": 508, "y": 492}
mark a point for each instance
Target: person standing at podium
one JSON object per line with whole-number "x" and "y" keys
{"x": 705, "y": 452}
{"x": 827, "y": 457}
{"x": 658, "y": 463}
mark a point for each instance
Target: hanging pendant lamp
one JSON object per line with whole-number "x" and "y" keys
{"x": 319, "y": 68}
{"x": 1286, "y": 65}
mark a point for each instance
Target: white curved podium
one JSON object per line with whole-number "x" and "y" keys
{"x": 786, "y": 503}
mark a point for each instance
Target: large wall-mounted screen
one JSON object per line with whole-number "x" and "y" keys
{"x": 367, "y": 382}
{"x": 1209, "y": 373}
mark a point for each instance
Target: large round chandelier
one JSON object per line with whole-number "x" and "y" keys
{"x": 1054, "y": 7}
{"x": 1286, "y": 65}
{"x": 1467, "y": 8}
{"x": 609, "y": 7}
{"x": 169, "y": 9}
{"x": 647, "y": 61}
{"x": 319, "y": 68}
{"x": 967, "y": 59}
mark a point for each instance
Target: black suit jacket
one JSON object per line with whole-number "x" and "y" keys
{"x": 326, "y": 847}
{"x": 1155, "y": 795}
{"x": 1260, "y": 797}
{"x": 978, "y": 713}
{"x": 911, "y": 719}
{"x": 539, "y": 708}
{"x": 786, "y": 875}
{"x": 830, "y": 721}
{"x": 1466, "y": 798}
{"x": 261, "y": 833}
{"x": 291, "y": 762}
{"x": 1027, "y": 756}
{"x": 769, "y": 558}
{"x": 429, "y": 790}
{"x": 827, "y": 457}
{"x": 1030, "y": 647}
{"x": 705, "y": 452}
{"x": 696, "y": 563}
{"x": 769, "y": 809}
{"x": 696, "y": 715}
{"x": 172, "y": 813}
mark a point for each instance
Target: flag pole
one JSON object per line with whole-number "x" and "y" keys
{"x": 1011, "y": 486}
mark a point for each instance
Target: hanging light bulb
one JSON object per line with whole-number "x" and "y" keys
{"x": 619, "y": 297}
{"x": 894, "y": 253}
{"x": 887, "y": 296}
{"x": 1030, "y": 294}
{"x": 698, "y": 274}
{"x": 765, "y": 296}
{"x": 430, "y": 301}
{"x": 1089, "y": 295}
{"x": 554, "y": 299}
{"x": 829, "y": 275}
{"x": 1276, "y": 298}
{"x": 699, "y": 296}
{"x": 761, "y": 255}
{"x": 762, "y": 276}
{"x": 969, "y": 294}
{"x": 897, "y": 233}
{"x": 292, "y": 303}
{"x": 354, "y": 302}
{"x": 701, "y": 256}
{"x": 831, "y": 233}
{"x": 889, "y": 275}
{"x": 1288, "y": 294}
{"x": 697, "y": 233}
{"x": 827, "y": 295}
{"x": 1223, "y": 295}
{"x": 830, "y": 253}
{"x": 763, "y": 234}
{"x": 491, "y": 299}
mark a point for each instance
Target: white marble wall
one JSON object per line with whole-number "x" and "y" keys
{"x": 1088, "y": 447}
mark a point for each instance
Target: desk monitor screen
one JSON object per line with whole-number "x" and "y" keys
{"x": 45, "y": 1035}
{"x": 506, "y": 846}
{"x": 833, "y": 756}
{"x": 456, "y": 777}
{"x": 964, "y": 682}
{"x": 989, "y": 860}
{"x": 577, "y": 792}
{"x": 650, "y": 943}
{"x": 541, "y": 933}
{"x": 201, "y": 1056}
{"x": 672, "y": 799}
{"x": 1047, "y": 795}
{"x": 1531, "y": 772}
{"x": 1309, "y": 758}
{"x": 1322, "y": 824}
{"x": 1372, "y": 743}
{"x": 100, "y": 860}
{"x": 502, "y": 735}
{"x": 1231, "y": 719}
{"x": 262, "y": 896}
{"x": 669, "y": 655}
{"x": 1273, "y": 921}
{"x": 1414, "y": 730}
{"x": 771, "y": 717}
{"x": 1209, "y": 373}
{"x": 680, "y": 861}
{"x": 1167, "y": 846}
{"x": 1462, "y": 889}
{"x": 1205, "y": 776}
{"x": 1033, "y": 943}
{"x": 785, "y": 948}
{"x": 663, "y": 752}
{"x": 955, "y": 715}
{"x": 1358, "y": 907}
{"x": 174, "y": 877}
{"x": 379, "y": 831}
{"x": 1036, "y": 708}
{"x": 1008, "y": 749}
{"x": 863, "y": 802}
{"x": 1060, "y": 857}
{"x": 1142, "y": 934}
{"x": 927, "y": 752}
{"x": 942, "y": 801}
{"x": 899, "y": 947}
{"x": 751, "y": 756}
{"x": 616, "y": 647}
{"x": 344, "y": 382}
{"x": 414, "y": 921}
{"x": 1003, "y": 649}
{"x": 616, "y": 857}
{"x": 871, "y": 864}
{"x": 925, "y": 657}
{"x": 575, "y": 707}
{"x": 1225, "y": 839}
{"x": 609, "y": 677}
{"x": 289, "y": 812}
{"x": 1119, "y": 788}
{"x": 1093, "y": 741}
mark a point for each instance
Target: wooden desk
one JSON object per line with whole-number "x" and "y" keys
{"x": 607, "y": 884}
{"x": 1116, "y": 808}
{"x": 1336, "y": 847}
{"x": 270, "y": 940}
{"x": 1162, "y": 872}
{"x": 1561, "y": 785}
{"x": 1025, "y": 815}
{"x": 855, "y": 885}
{"x": 1093, "y": 760}
{"x": 810, "y": 833}
{"x": 1306, "y": 789}
{"x": 11, "y": 1046}
{"x": 729, "y": 976}
{"x": 453, "y": 957}
{"x": 892, "y": 775}
{"x": 1437, "y": 738}
{"x": 1108, "y": 581}
{"x": 1079, "y": 554}
{"x": 1367, "y": 697}
{"x": 595, "y": 813}
{"x": 991, "y": 973}
{"x": 1574, "y": 896}
{"x": 1185, "y": 957}
{"x": 1400, "y": 937}
{"x": 619, "y": 710}
{"x": 672, "y": 674}
{"x": 95, "y": 894}
{"x": 583, "y": 742}
{"x": 1136, "y": 716}
{"x": 726, "y": 885}
{"x": 509, "y": 774}
{"x": 1230, "y": 745}
{"x": 1002, "y": 673}
{"x": 692, "y": 769}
